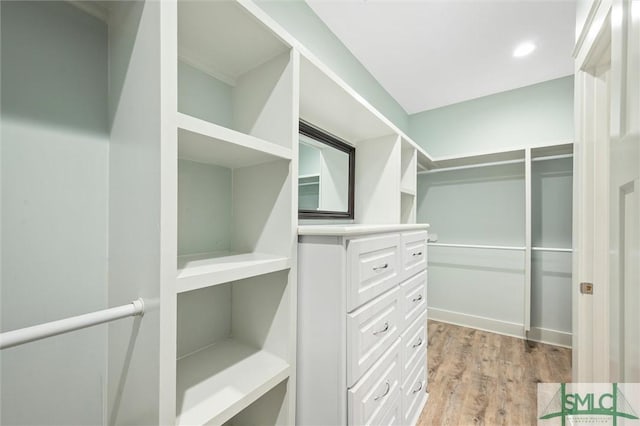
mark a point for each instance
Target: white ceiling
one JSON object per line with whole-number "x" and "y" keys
{"x": 431, "y": 53}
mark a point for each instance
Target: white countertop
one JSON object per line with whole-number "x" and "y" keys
{"x": 357, "y": 229}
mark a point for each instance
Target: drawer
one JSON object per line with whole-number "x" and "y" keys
{"x": 370, "y": 399}
{"x": 414, "y": 298}
{"x": 373, "y": 266}
{"x": 414, "y": 395}
{"x": 414, "y": 343}
{"x": 414, "y": 252}
{"x": 393, "y": 417}
{"x": 371, "y": 329}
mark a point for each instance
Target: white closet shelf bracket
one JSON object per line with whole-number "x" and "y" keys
{"x": 29, "y": 334}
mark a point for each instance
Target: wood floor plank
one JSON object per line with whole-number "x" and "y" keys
{"x": 482, "y": 378}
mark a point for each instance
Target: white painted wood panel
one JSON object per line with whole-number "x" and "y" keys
{"x": 198, "y": 271}
{"x": 414, "y": 345}
{"x": 414, "y": 297}
{"x": 377, "y": 198}
{"x": 327, "y": 105}
{"x": 322, "y": 339}
{"x": 205, "y": 142}
{"x": 371, "y": 329}
{"x": 263, "y": 101}
{"x": 393, "y": 417}
{"x": 370, "y": 398}
{"x": 140, "y": 355}
{"x": 373, "y": 266}
{"x": 357, "y": 229}
{"x": 414, "y": 394}
{"x": 414, "y": 252}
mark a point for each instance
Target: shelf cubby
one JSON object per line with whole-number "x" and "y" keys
{"x": 217, "y": 382}
{"x": 233, "y": 223}
{"x": 234, "y": 346}
{"x": 407, "y": 207}
{"x": 408, "y": 168}
{"x": 233, "y": 71}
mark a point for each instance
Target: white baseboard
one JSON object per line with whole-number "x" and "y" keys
{"x": 550, "y": 337}
{"x": 512, "y": 329}
{"x": 481, "y": 323}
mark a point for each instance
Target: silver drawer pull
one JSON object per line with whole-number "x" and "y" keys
{"x": 384, "y": 329}
{"x": 378, "y": 268}
{"x": 419, "y": 388}
{"x": 417, "y": 299}
{"x": 418, "y": 344}
{"x": 386, "y": 392}
{"x": 418, "y": 253}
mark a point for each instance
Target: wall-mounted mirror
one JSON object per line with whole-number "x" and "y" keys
{"x": 325, "y": 175}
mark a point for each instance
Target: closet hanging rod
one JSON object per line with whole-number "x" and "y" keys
{"x": 552, "y": 249}
{"x": 476, "y": 246}
{"x": 53, "y": 328}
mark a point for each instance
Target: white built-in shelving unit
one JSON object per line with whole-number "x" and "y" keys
{"x": 386, "y": 159}
{"x": 186, "y": 137}
{"x": 538, "y": 253}
{"x": 236, "y": 218}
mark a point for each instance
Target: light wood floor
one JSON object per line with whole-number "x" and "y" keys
{"x": 482, "y": 378}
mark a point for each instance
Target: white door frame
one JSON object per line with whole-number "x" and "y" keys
{"x": 603, "y": 102}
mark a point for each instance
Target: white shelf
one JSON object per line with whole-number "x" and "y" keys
{"x": 552, "y": 151}
{"x": 408, "y": 191}
{"x": 205, "y": 142}
{"x": 333, "y": 106}
{"x": 205, "y": 270}
{"x": 217, "y": 382}
{"x": 357, "y": 229}
{"x": 479, "y": 159}
{"x": 477, "y": 246}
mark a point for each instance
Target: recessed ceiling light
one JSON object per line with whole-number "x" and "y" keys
{"x": 524, "y": 49}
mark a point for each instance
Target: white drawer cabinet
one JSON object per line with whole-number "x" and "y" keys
{"x": 362, "y": 336}
{"x": 414, "y": 252}
{"x": 414, "y": 297}
{"x": 371, "y": 330}
{"x": 373, "y": 266}
{"x": 414, "y": 343}
{"x": 369, "y": 400}
{"x": 413, "y": 394}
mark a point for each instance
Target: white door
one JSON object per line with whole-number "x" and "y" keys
{"x": 607, "y": 195}
{"x": 624, "y": 193}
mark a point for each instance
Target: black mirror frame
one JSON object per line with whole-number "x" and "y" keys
{"x": 320, "y": 135}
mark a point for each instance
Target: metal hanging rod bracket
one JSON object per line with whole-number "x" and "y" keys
{"x": 13, "y": 338}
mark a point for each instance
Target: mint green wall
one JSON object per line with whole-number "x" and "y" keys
{"x": 204, "y": 198}
{"x": 301, "y": 22}
{"x": 203, "y": 96}
{"x": 529, "y": 116}
{"x": 483, "y": 205}
{"x": 54, "y": 174}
